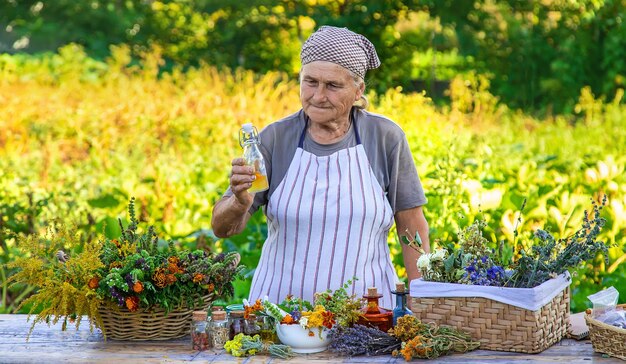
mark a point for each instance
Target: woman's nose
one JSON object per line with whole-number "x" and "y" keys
{"x": 320, "y": 93}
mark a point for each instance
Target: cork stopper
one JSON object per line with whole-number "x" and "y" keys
{"x": 372, "y": 291}
{"x": 400, "y": 287}
{"x": 219, "y": 315}
{"x": 199, "y": 315}
{"x": 236, "y": 313}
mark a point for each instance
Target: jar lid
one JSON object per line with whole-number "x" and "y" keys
{"x": 199, "y": 315}
{"x": 219, "y": 315}
{"x": 237, "y": 313}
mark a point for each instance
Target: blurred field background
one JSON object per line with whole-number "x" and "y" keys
{"x": 502, "y": 101}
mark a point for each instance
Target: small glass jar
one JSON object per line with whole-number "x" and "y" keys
{"x": 199, "y": 334}
{"x": 219, "y": 329}
{"x": 268, "y": 329}
{"x": 237, "y": 323}
{"x": 252, "y": 327}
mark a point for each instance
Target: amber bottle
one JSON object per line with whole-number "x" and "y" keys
{"x": 374, "y": 315}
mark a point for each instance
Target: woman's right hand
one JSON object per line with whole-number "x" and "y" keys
{"x": 241, "y": 178}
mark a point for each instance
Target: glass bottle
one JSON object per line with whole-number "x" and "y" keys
{"x": 199, "y": 334}
{"x": 219, "y": 329}
{"x": 249, "y": 141}
{"x": 252, "y": 327}
{"x": 400, "y": 309}
{"x": 374, "y": 315}
{"x": 237, "y": 323}
{"x": 268, "y": 329}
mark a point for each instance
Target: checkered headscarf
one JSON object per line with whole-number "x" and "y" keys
{"x": 341, "y": 46}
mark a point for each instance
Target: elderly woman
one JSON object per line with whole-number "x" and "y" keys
{"x": 339, "y": 177}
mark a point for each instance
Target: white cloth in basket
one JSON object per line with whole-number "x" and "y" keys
{"x": 527, "y": 298}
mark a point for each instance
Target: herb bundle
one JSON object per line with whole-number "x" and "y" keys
{"x": 361, "y": 340}
{"x": 429, "y": 341}
{"x": 550, "y": 257}
{"x": 245, "y": 345}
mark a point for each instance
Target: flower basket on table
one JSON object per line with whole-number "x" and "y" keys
{"x": 522, "y": 306}
{"x": 605, "y": 338}
{"x": 129, "y": 287}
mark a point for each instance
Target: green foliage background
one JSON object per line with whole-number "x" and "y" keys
{"x": 538, "y": 54}
{"x": 104, "y": 100}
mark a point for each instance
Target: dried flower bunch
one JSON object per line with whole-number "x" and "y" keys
{"x": 245, "y": 345}
{"x": 472, "y": 261}
{"x": 429, "y": 341}
{"x": 362, "y": 340}
{"x": 130, "y": 272}
{"x": 410, "y": 339}
{"x": 549, "y": 257}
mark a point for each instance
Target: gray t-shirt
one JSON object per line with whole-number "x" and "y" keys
{"x": 384, "y": 142}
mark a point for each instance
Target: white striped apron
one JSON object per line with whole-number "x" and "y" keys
{"x": 328, "y": 222}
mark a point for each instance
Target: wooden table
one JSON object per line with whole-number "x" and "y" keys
{"x": 51, "y": 345}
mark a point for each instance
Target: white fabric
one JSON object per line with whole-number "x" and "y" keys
{"x": 328, "y": 221}
{"x": 528, "y": 298}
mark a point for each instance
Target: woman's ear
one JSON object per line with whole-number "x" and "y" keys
{"x": 359, "y": 91}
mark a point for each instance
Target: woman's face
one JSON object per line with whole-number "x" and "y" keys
{"x": 328, "y": 91}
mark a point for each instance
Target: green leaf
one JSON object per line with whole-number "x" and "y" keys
{"x": 448, "y": 264}
{"x": 104, "y": 202}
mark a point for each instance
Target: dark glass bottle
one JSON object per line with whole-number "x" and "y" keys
{"x": 400, "y": 309}
{"x": 374, "y": 315}
{"x": 252, "y": 327}
{"x": 237, "y": 324}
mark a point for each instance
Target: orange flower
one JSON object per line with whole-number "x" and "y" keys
{"x": 287, "y": 319}
{"x": 138, "y": 287}
{"x": 170, "y": 278}
{"x": 173, "y": 260}
{"x": 93, "y": 283}
{"x": 211, "y": 287}
{"x": 159, "y": 278}
{"x": 132, "y": 303}
{"x": 329, "y": 319}
{"x": 258, "y": 306}
{"x": 117, "y": 243}
{"x": 198, "y": 277}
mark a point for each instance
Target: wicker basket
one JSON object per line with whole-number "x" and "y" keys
{"x": 605, "y": 338}
{"x": 148, "y": 324}
{"x": 499, "y": 326}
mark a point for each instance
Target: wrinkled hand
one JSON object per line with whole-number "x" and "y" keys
{"x": 241, "y": 177}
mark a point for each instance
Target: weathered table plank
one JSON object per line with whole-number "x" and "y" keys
{"x": 51, "y": 345}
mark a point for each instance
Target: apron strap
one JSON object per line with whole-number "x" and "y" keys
{"x": 352, "y": 117}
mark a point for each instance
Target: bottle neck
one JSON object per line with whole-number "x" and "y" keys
{"x": 372, "y": 305}
{"x": 400, "y": 300}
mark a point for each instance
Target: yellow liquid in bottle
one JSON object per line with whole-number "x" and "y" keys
{"x": 259, "y": 184}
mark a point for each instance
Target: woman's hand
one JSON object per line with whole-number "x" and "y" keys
{"x": 241, "y": 178}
